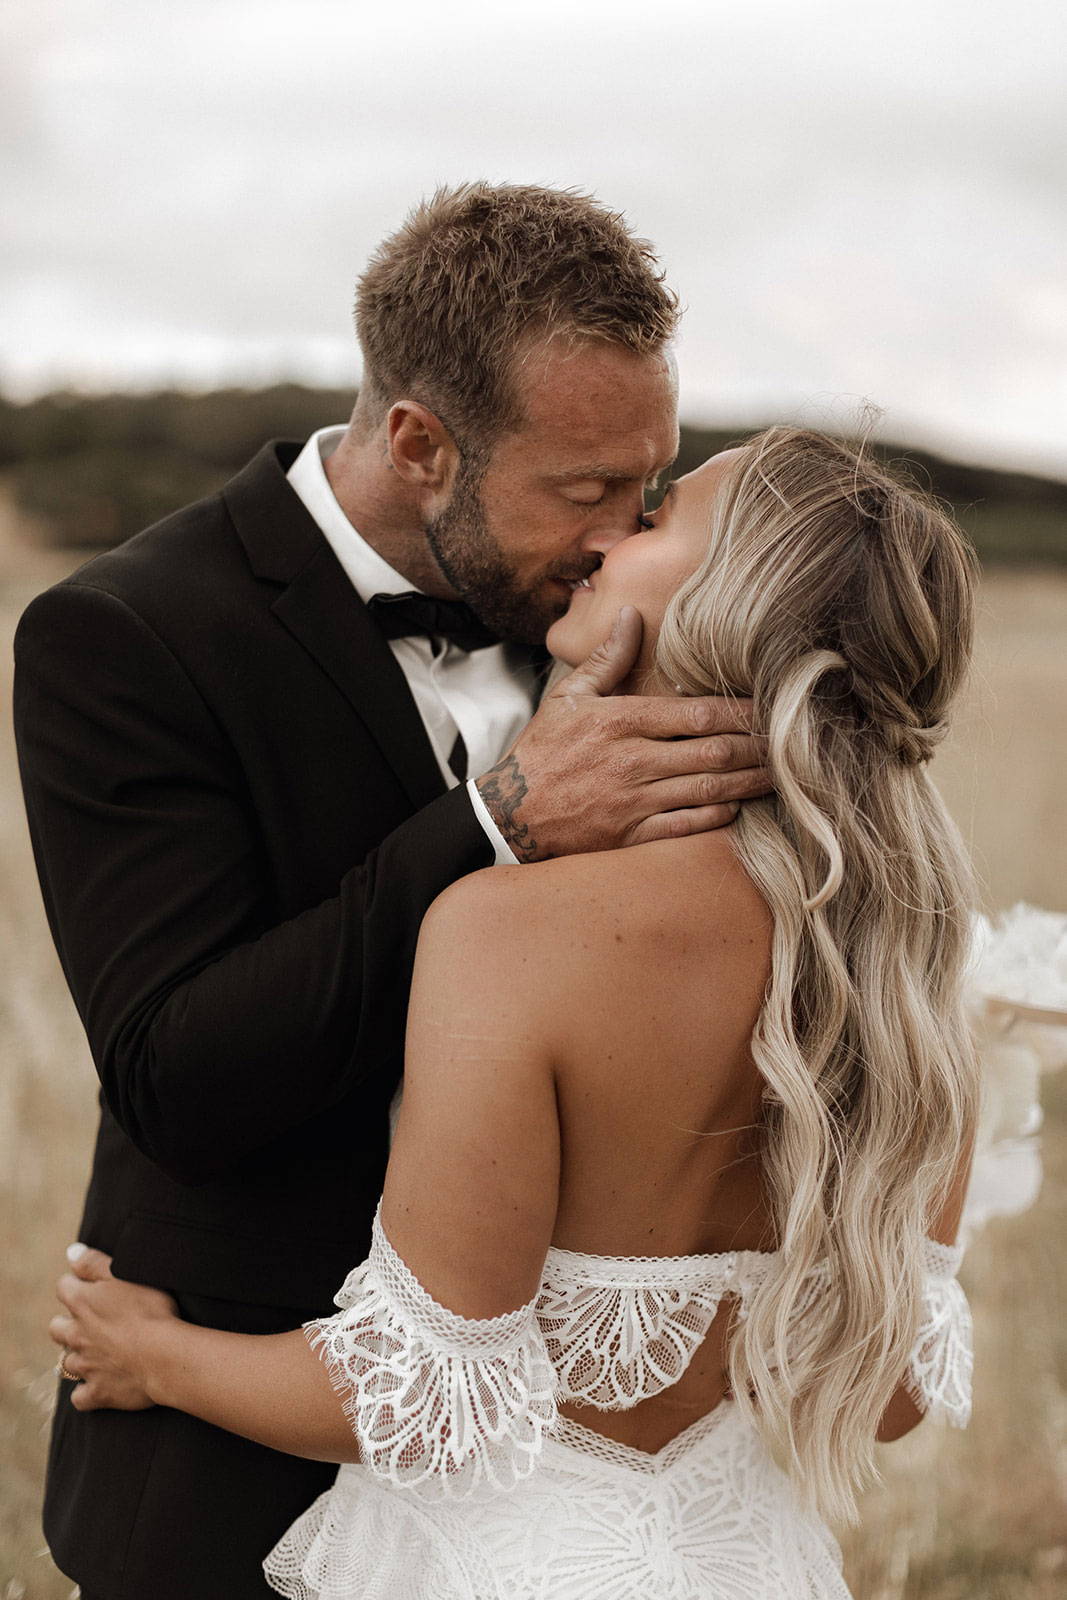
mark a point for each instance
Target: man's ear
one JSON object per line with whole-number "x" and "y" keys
{"x": 421, "y": 449}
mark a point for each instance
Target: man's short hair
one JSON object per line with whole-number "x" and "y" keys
{"x": 476, "y": 272}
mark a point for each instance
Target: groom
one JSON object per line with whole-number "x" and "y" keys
{"x": 261, "y": 737}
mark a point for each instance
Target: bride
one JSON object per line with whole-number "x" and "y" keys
{"x": 667, "y": 1236}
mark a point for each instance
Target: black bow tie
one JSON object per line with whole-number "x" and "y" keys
{"x": 401, "y": 615}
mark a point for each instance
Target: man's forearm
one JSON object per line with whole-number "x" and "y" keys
{"x": 270, "y": 1388}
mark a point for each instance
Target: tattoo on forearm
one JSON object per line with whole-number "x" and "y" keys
{"x": 503, "y": 788}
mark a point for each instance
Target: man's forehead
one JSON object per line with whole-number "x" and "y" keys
{"x": 604, "y": 412}
{"x": 584, "y": 377}
{"x": 607, "y": 454}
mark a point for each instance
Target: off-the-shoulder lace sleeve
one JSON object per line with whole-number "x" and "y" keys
{"x": 435, "y": 1399}
{"x": 942, "y": 1359}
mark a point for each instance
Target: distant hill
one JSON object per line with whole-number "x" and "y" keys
{"x": 96, "y": 468}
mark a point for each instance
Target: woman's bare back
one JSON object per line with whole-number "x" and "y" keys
{"x": 579, "y": 1038}
{"x": 660, "y": 956}
{"x": 660, "y": 959}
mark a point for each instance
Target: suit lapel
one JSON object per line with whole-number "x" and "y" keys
{"x": 322, "y": 611}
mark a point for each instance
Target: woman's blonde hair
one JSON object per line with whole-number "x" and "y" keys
{"x": 841, "y": 600}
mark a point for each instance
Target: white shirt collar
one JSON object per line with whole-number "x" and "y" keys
{"x": 479, "y": 694}
{"x": 365, "y": 568}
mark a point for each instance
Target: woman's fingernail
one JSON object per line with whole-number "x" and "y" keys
{"x": 76, "y": 1251}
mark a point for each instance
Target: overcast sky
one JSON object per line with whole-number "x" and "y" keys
{"x": 854, "y": 201}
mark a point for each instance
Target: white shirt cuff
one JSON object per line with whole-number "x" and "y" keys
{"x": 504, "y": 855}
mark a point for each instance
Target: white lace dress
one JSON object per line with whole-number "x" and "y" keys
{"x": 472, "y": 1487}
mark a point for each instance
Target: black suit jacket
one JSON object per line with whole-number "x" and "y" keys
{"x": 239, "y": 823}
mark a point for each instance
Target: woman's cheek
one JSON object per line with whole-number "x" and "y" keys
{"x": 645, "y": 587}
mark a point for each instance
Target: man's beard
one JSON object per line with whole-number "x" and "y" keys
{"x": 478, "y": 570}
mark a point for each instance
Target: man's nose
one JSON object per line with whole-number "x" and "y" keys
{"x": 618, "y": 524}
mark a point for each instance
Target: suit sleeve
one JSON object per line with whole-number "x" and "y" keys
{"x": 211, "y": 1032}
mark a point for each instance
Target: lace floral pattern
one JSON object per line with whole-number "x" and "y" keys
{"x": 942, "y": 1359}
{"x": 619, "y": 1331}
{"x": 435, "y": 1399}
{"x": 450, "y": 1411}
{"x": 710, "y": 1517}
{"x": 446, "y": 1401}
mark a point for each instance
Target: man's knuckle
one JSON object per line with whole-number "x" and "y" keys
{"x": 628, "y": 757}
{"x": 711, "y": 788}
{"x": 699, "y": 716}
{"x": 633, "y": 763}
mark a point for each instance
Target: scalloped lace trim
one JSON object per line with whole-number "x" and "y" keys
{"x": 941, "y": 1368}
{"x": 441, "y": 1400}
{"x": 621, "y": 1328}
{"x": 435, "y": 1399}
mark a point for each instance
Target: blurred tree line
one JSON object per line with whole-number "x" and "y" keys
{"x": 93, "y": 469}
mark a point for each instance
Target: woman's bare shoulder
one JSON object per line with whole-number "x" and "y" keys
{"x": 671, "y": 889}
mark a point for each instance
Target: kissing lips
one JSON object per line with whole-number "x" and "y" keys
{"x": 584, "y": 580}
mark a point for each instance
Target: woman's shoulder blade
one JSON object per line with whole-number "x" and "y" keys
{"x": 619, "y": 937}
{"x": 607, "y": 936}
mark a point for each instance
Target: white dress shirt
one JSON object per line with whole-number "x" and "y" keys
{"x": 477, "y": 693}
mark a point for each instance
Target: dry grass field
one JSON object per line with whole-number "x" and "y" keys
{"x": 974, "y": 1516}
